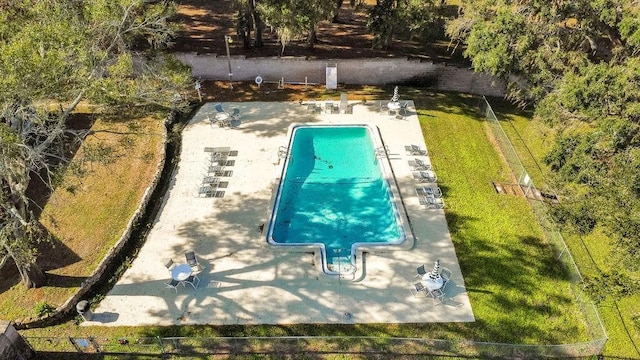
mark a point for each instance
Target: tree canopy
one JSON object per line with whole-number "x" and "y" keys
{"x": 53, "y": 55}
{"x": 577, "y": 63}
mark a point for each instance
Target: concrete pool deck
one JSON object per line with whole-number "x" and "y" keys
{"x": 247, "y": 281}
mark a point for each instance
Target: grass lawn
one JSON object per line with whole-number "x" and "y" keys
{"x": 90, "y": 209}
{"x": 518, "y": 291}
{"x": 532, "y": 140}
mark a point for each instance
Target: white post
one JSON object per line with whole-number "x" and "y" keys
{"x": 227, "y": 41}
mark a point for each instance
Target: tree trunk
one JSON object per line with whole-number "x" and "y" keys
{"x": 337, "y": 14}
{"x": 33, "y": 276}
{"x": 311, "y": 39}
{"x": 257, "y": 24}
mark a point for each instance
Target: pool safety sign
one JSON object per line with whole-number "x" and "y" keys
{"x": 332, "y": 76}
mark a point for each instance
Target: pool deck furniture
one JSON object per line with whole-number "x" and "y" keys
{"x": 172, "y": 284}
{"x": 415, "y": 150}
{"x": 424, "y": 176}
{"x": 417, "y": 289}
{"x": 433, "y": 191}
{"x": 218, "y": 150}
{"x": 192, "y": 280}
{"x": 190, "y": 256}
{"x": 431, "y": 202}
{"x": 417, "y": 164}
{"x": 432, "y": 284}
{"x": 181, "y": 272}
{"x": 420, "y": 271}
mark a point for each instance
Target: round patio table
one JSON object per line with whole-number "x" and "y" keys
{"x": 181, "y": 272}
{"x": 393, "y": 106}
{"x": 432, "y": 284}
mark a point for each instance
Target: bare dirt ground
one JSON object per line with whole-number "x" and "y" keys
{"x": 206, "y": 22}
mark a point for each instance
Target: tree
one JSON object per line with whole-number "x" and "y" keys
{"x": 421, "y": 19}
{"x": 577, "y": 63}
{"x": 295, "y": 18}
{"x": 53, "y": 55}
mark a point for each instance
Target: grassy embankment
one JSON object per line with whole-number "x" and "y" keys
{"x": 89, "y": 210}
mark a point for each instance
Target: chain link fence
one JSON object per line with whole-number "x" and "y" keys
{"x": 549, "y": 228}
{"x": 354, "y": 345}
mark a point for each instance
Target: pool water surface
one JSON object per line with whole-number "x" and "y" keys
{"x": 334, "y": 194}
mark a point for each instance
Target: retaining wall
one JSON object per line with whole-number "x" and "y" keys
{"x": 374, "y": 71}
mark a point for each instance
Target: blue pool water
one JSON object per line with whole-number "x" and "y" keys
{"x": 333, "y": 193}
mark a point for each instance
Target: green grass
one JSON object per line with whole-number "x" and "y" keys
{"x": 532, "y": 140}
{"x": 518, "y": 292}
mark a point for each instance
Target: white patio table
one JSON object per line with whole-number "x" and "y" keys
{"x": 432, "y": 284}
{"x": 181, "y": 272}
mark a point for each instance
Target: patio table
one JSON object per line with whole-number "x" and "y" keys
{"x": 432, "y": 284}
{"x": 181, "y": 272}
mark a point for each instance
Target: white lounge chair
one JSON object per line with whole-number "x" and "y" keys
{"x": 432, "y": 202}
{"x": 415, "y": 150}
{"x": 424, "y": 176}
{"x": 417, "y": 164}
{"x": 429, "y": 191}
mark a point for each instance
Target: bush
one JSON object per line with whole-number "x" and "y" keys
{"x": 43, "y": 308}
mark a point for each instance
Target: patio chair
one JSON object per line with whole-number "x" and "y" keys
{"x": 424, "y": 176}
{"x": 403, "y": 109}
{"x": 417, "y": 289}
{"x": 420, "y": 271}
{"x": 235, "y": 114}
{"x": 193, "y": 280}
{"x": 172, "y": 284}
{"x": 415, "y": 150}
{"x": 446, "y": 276}
{"x": 418, "y": 164}
{"x": 437, "y": 294}
{"x": 193, "y": 261}
{"x": 219, "y": 109}
{"x": 169, "y": 264}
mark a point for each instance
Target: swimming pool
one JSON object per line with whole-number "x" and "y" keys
{"x": 335, "y": 194}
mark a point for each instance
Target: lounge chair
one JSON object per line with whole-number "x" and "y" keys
{"x": 415, "y": 150}
{"x": 208, "y": 190}
{"x": 193, "y": 280}
{"x": 193, "y": 261}
{"x": 429, "y": 191}
{"x": 343, "y": 103}
{"x": 417, "y": 164}
{"x": 424, "y": 176}
{"x": 172, "y": 284}
{"x": 328, "y": 107}
{"x": 432, "y": 202}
